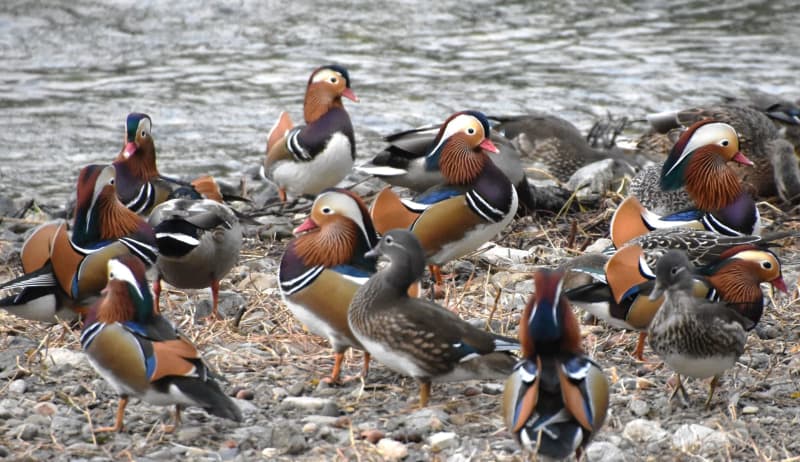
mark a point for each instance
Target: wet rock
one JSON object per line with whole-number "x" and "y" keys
{"x": 695, "y": 438}
{"x": 391, "y": 449}
{"x": 17, "y": 387}
{"x": 442, "y": 440}
{"x": 602, "y": 451}
{"x": 644, "y": 431}
{"x": 319, "y": 406}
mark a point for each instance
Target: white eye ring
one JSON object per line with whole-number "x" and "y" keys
{"x": 766, "y": 265}
{"x": 389, "y": 240}
{"x": 724, "y": 143}
{"x": 327, "y": 210}
{"x": 470, "y": 131}
{"x": 334, "y": 80}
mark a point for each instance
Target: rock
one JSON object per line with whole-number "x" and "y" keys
{"x": 17, "y": 387}
{"x": 245, "y": 394}
{"x": 66, "y": 358}
{"x": 372, "y": 435}
{"x": 247, "y": 407}
{"x": 644, "y": 431}
{"x": 319, "y": 406}
{"x": 442, "y": 440}
{"x": 258, "y": 281}
{"x": 321, "y": 420}
{"x": 750, "y": 410}
{"x": 310, "y": 428}
{"x": 296, "y": 389}
{"x": 603, "y": 451}
{"x": 424, "y": 422}
{"x": 492, "y": 388}
{"x": 639, "y": 407}
{"x": 288, "y": 439}
{"x": 26, "y": 432}
{"x": 46, "y": 409}
{"x": 251, "y": 433}
{"x": 278, "y": 393}
{"x": 599, "y": 245}
{"x": 391, "y": 449}
{"x": 190, "y": 435}
{"x": 4, "y": 452}
{"x": 695, "y": 438}
{"x": 497, "y": 255}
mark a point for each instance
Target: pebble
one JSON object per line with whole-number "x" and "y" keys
{"x": 750, "y": 410}
{"x": 443, "y": 440}
{"x": 391, "y": 449}
{"x": 602, "y": 451}
{"x": 278, "y": 393}
{"x": 319, "y": 406}
{"x": 372, "y": 435}
{"x": 245, "y": 394}
{"x": 643, "y": 430}
{"x": 66, "y": 358}
{"x": 310, "y": 428}
{"x": 247, "y": 407}
{"x": 424, "y": 422}
{"x": 700, "y": 439}
{"x": 4, "y": 452}
{"x": 321, "y": 420}
{"x": 190, "y": 435}
{"x": 492, "y": 388}
{"x": 17, "y": 387}
{"x": 26, "y": 432}
{"x": 639, "y": 407}
{"x": 258, "y": 281}
{"x": 46, "y": 409}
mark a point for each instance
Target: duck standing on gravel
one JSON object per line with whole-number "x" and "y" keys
{"x": 476, "y": 204}
{"x": 306, "y": 159}
{"x": 557, "y": 397}
{"x": 141, "y": 354}
{"x": 695, "y": 338}
{"x": 199, "y": 241}
{"x": 416, "y": 337}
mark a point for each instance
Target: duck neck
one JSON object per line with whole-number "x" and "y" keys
{"x": 318, "y": 102}
{"x": 401, "y": 272}
{"x": 459, "y": 164}
{"x": 710, "y": 183}
{"x": 339, "y": 243}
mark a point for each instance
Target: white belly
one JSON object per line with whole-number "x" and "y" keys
{"x": 326, "y": 169}
{"x": 699, "y": 367}
{"x": 399, "y": 362}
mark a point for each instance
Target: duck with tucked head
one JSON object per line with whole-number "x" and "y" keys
{"x": 417, "y": 337}
{"x": 323, "y": 267}
{"x": 695, "y": 338}
{"x": 557, "y": 397}
{"x": 306, "y": 159}
{"x": 63, "y": 272}
{"x": 477, "y": 202}
{"x": 141, "y": 354}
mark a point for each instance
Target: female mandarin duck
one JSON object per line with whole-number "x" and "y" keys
{"x": 309, "y": 158}
{"x": 323, "y": 267}
{"x": 695, "y": 338}
{"x": 557, "y": 397}
{"x": 731, "y": 269}
{"x": 416, "y": 337}
{"x": 63, "y": 273}
{"x": 454, "y": 219}
{"x": 139, "y": 184}
{"x": 198, "y": 243}
{"x": 776, "y": 170}
{"x": 141, "y": 354}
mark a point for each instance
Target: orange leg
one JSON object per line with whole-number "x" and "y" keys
{"x": 638, "y": 353}
{"x": 365, "y": 369}
{"x": 438, "y": 285}
{"x": 173, "y": 427}
{"x": 338, "y": 357}
{"x": 282, "y": 194}
{"x": 215, "y": 300}
{"x": 424, "y": 393}
{"x": 123, "y": 402}
{"x": 157, "y": 294}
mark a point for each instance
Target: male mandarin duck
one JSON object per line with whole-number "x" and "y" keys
{"x": 414, "y": 336}
{"x": 695, "y": 338}
{"x": 762, "y": 140}
{"x": 140, "y": 186}
{"x": 557, "y": 397}
{"x": 198, "y": 243}
{"x": 476, "y": 203}
{"x": 323, "y": 267}
{"x": 308, "y": 158}
{"x": 730, "y": 269}
{"x": 141, "y": 354}
{"x": 62, "y": 272}
{"x": 405, "y": 163}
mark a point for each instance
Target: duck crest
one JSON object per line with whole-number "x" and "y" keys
{"x": 459, "y": 158}
{"x": 701, "y": 133}
{"x": 710, "y": 183}
{"x": 548, "y": 322}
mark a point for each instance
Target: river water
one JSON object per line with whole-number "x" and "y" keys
{"x": 214, "y": 76}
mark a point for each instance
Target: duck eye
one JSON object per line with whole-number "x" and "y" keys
{"x": 334, "y": 80}
{"x": 144, "y": 134}
{"x": 389, "y": 240}
{"x": 470, "y": 131}
{"x": 327, "y": 210}
{"x": 111, "y": 181}
{"x": 766, "y": 265}
{"x": 673, "y": 271}
{"x": 724, "y": 143}
{"x": 111, "y": 275}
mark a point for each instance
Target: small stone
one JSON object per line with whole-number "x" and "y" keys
{"x": 4, "y": 452}
{"x": 443, "y": 440}
{"x": 372, "y": 435}
{"x": 17, "y": 387}
{"x": 700, "y": 439}
{"x": 320, "y": 406}
{"x": 321, "y": 420}
{"x": 643, "y": 430}
{"x": 391, "y": 449}
{"x": 602, "y": 451}
{"x": 492, "y": 388}
{"x": 296, "y": 389}
{"x": 245, "y": 394}
{"x": 278, "y": 393}
{"x": 270, "y": 453}
{"x": 310, "y": 428}
{"x": 66, "y": 358}
{"x": 247, "y": 407}
{"x": 639, "y": 407}
{"x": 190, "y": 435}
{"x": 472, "y": 391}
{"x": 27, "y": 432}
{"x": 750, "y": 410}
{"x": 46, "y": 409}
{"x": 424, "y": 422}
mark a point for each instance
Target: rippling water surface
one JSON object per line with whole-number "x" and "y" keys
{"x": 214, "y": 77}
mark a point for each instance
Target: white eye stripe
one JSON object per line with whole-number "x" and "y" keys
{"x": 120, "y": 272}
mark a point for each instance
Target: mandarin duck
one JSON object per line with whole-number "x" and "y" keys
{"x": 141, "y": 354}
{"x": 323, "y": 266}
{"x": 477, "y": 202}
{"x": 696, "y": 338}
{"x": 695, "y": 175}
{"x": 404, "y": 163}
{"x": 63, "y": 272}
{"x": 760, "y": 139}
{"x": 414, "y": 336}
{"x": 557, "y": 397}
{"x": 730, "y": 269}
{"x": 198, "y": 243}
{"x": 140, "y": 185}
{"x": 306, "y": 159}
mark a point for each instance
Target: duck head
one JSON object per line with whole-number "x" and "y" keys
{"x": 547, "y": 323}
{"x": 127, "y": 295}
{"x": 326, "y": 88}
{"x": 673, "y": 270}
{"x": 406, "y": 258}
{"x": 459, "y": 147}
